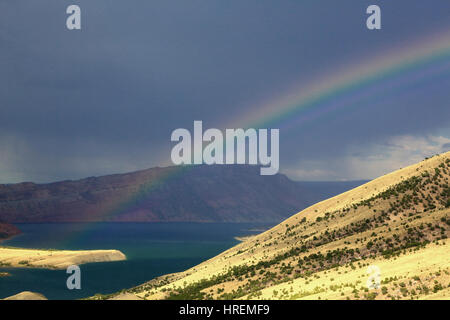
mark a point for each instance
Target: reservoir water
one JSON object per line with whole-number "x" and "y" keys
{"x": 152, "y": 249}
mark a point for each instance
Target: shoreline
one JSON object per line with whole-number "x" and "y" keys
{"x": 54, "y": 259}
{"x": 11, "y": 231}
{"x": 9, "y": 238}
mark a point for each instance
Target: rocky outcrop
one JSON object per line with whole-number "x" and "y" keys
{"x": 7, "y": 231}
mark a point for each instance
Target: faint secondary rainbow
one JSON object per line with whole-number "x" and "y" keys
{"x": 429, "y": 53}
{"x": 108, "y": 211}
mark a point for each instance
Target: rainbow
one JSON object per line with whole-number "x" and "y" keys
{"x": 108, "y": 211}
{"x": 349, "y": 87}
{"x": 402, "y": 66}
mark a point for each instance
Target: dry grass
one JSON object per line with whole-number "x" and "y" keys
{"x": 54, "y": 259}
{"x": 357, "y": 228}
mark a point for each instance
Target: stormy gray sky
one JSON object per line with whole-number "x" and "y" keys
{"x": 106, "y": 98}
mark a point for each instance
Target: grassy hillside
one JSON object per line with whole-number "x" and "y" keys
{"x": 398, "y": 223}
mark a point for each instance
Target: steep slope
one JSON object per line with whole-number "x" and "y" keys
{"x": 399, "y": 222}
{"x": 198, "y": 193}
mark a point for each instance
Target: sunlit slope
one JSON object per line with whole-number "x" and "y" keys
{"x": 27, "y": 295}
{"x": 420, "y": 274}
{"x": 395, "y": 221}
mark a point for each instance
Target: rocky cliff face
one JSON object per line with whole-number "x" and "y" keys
{"x": 198, "y": 193}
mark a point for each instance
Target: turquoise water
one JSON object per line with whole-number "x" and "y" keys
{"x": 152, "y": 249}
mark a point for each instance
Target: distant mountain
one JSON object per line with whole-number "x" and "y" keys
{"x": 198, "y": 193}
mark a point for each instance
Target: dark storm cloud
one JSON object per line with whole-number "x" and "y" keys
{"x": 105, "y": 99}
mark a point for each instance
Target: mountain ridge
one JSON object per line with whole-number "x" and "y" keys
{"x": 171, "y": 194}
